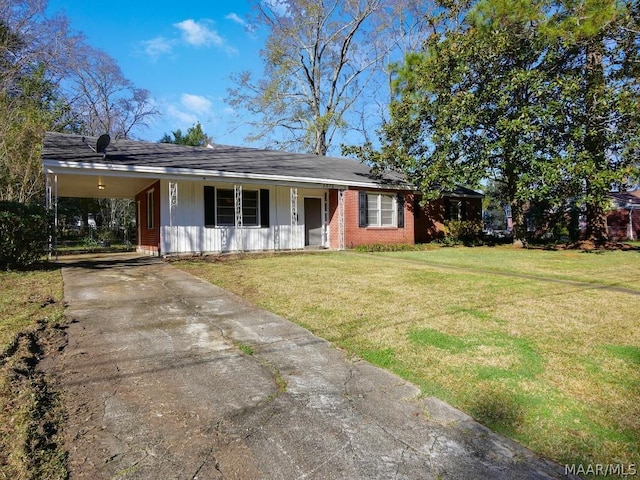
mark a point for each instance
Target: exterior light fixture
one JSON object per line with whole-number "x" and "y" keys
{"x": 101, "y": 186}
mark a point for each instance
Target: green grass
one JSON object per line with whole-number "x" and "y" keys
{"x": 31, "y": 411}
{"x": 533, "y": 343}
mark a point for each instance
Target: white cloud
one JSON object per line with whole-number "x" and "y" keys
{"x": 189, "y": 110}
{"x": 157, "y": 46}
{"x": 199, "y": 34}
{"x": 184, "y": 119}
{"x": 235, "y": 18}
{"x": 249, "y": 28}
{"x": 196, "y": 104}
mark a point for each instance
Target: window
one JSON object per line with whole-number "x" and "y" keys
{"x": 150, "y": 210}
{"x": 219, "y": 207}
{"x": 250, "y": 207}
{"x": 225, "y": 207}
{"x": 455, "y": 210}
{"x": 381, "y": 210}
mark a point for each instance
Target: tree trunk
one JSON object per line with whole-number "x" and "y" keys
{"x": 595, "y": 143}
{"x": 519, "y": 224}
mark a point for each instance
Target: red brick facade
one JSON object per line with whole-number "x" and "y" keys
{"x": 421, "y": 224}
{"x": 618, "y": 224}
{"x": 429, "y": 220}
{"x": 148, "y": 232}
{"x": 355, "y": 235}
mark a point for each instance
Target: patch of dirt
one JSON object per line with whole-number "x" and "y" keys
{"x": 31, "y": 409}
{"x": 590, "y": 246}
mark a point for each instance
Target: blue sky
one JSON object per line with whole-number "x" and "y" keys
{"x": 182, "y": 51}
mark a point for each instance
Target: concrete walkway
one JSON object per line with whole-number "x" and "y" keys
{"x": 169, "y": 377}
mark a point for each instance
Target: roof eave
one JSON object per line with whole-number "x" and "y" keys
{"x": 60, "y": 166}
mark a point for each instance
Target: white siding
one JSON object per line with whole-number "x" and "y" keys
{"x": 184, "y": 231}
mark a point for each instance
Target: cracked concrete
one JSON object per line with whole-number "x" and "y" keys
{"x": 156, "y": 386}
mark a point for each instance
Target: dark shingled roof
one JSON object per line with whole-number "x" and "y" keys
{"x": 624, "y": 199}
{"x": 219, "y": 158}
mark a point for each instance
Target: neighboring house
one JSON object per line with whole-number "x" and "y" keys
{"x": 623, "y": 222}
{"x": 224, "y": 198}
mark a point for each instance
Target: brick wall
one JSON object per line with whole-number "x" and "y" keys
{"x": 148, "y": 238}
{"x": 618, "y": 224}
{"x": 355, "y": 235}
{"x": 429, "y": 220}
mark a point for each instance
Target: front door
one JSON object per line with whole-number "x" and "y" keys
{"x": 313, "y": 222}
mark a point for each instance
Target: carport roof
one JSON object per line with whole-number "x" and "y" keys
{"x": 137, "y": 164}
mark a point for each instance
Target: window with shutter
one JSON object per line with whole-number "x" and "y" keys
{"x": 225, "y": 207}
{"x": 378, "y": 210}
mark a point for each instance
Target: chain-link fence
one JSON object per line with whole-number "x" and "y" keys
{"x": 91, "y": 239}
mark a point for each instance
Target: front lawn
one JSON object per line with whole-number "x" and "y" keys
{"x": 541, "y": 346}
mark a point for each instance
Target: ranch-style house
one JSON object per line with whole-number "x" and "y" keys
{"x": 219, "y": 198}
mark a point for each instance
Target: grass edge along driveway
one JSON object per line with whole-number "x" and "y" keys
{"x": 31, "y": 406}
{"x": 541, "y": 346}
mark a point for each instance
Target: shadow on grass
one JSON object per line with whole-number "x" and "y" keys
{"x": 498, "y": 409}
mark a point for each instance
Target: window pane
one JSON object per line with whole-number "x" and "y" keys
{"x": 250, "y": 207}
{"x": 150, "y": 210}
{"x": 454, "y": 210}
{"x": 386, "y": 210}
{"x": 373, "y": 209}
{"x": 226, "y": 219}
{"x": 225, "y": 209}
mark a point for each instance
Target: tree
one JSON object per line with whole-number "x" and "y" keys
{"x": 508, "y": 94}
{"x": 467, "y": 109}
{"x": 600, "y": 59}
{"x": 104, "y": 100}
{"x": 195, "y": 137}
{"x": 319, "y": 60}
{"x": 38, "y": 54}
{"x": 30, "y": 102}
{"x": 25, "y": 115}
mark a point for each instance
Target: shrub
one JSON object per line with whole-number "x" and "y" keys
{"x": 24, "y": 232}
{"x": 462, "y": 231}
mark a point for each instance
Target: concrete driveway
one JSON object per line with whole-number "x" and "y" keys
{"x": 169, "y": 377}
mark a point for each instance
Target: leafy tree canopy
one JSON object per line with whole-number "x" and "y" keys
{"x": 194, "y": 136}
{"x": 539, "y": 96}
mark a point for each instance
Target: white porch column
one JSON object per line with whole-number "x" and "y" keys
{"x": 239, "y": 231}
{"x": 173, "y": 205}
{"x": 341, "y": 243}
{"x": 293, "y": 238}
{"x": 51, "y": 202}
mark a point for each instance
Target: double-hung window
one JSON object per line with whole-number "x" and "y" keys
{"x": 455, "y": 210}
{"x": 226, "y": 210}
{"x": 220, "y": 207}
{"x": 381, "y": 210}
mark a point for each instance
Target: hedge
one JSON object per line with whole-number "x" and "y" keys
{"x": 24, "y": 234}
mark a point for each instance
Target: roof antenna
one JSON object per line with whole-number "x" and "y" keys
{"x": 84, "y": 140}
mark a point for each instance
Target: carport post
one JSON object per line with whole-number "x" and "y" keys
{"x": 293, "y": 237}
{"x": 341, "y": 245}
{"x": 51, "y": 201}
